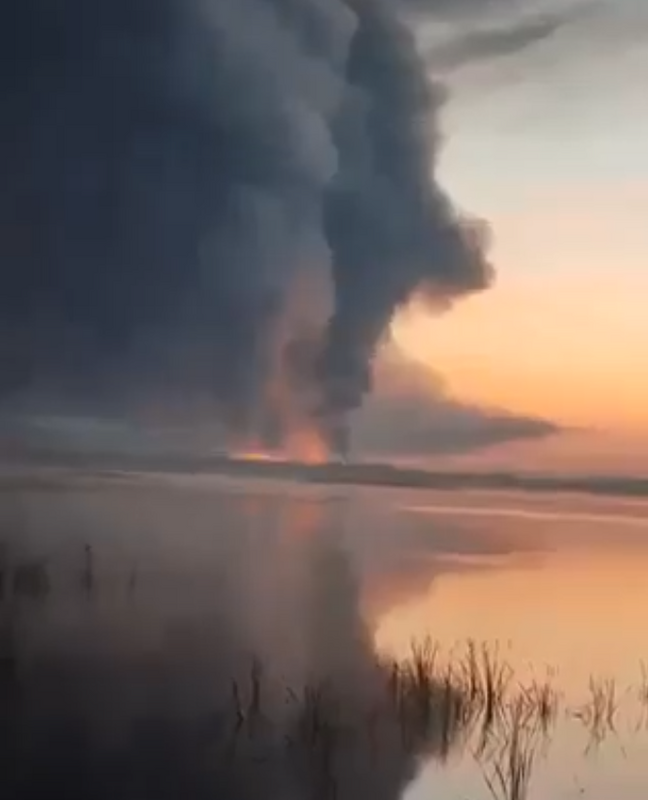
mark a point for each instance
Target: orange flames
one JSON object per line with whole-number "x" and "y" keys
{"x": 257, "y": 455}
{"x": 291, "y": 405}
{"x": 302, "y": 444}
{"x": 306, "y": 445}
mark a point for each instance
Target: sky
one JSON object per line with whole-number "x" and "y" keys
{"x": 548, "y": 145}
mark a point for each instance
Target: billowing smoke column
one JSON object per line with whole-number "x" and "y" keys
{"x": 391, "y": 228}
{"x": 173, "y": 168}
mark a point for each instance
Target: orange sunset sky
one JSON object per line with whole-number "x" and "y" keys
{"x": 551, "y": 151}
{"x": 565, "y": 341}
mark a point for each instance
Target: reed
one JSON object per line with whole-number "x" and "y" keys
{"x": 509, "y": 776}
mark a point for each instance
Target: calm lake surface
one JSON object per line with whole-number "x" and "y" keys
{"x": 558, "y": 585}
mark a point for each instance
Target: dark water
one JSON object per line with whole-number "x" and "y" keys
{"x": 160, "y": 590}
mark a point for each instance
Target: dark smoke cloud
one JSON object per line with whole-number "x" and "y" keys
{"x": 171, "y": 168}
{"x": 391, "y": 227}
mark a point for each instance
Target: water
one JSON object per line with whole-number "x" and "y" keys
{"x": 568, "y": 599}
{"x": 321, "y": 578}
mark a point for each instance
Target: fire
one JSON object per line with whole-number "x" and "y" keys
{"x": 302, "y": 444}
{"x": 257, "y": 455}
{"x": 307, "y": 446}
{"x": 291, "y": 401}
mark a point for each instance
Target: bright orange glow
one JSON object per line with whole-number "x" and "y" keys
{"x": 289, "y": 402}
{"x": 257, "y": 455}
{"x": 303, "y": 443}
{"x": 306, "y": 445}
{"x": 562, "y": 332}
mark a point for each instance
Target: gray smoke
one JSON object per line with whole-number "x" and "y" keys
{"x": 391, "y": 227}
{"x": 413, "y": 414}
{"x": 173, "y": 168}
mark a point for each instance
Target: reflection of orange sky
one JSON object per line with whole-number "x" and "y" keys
{"x": 297, "y": 517}
{"x": 580, "y": 613}
{"x": 563, "y": 332}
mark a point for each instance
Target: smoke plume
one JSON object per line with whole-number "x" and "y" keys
{"x": 412, "y": 414}
{"x": 173, "y": 168}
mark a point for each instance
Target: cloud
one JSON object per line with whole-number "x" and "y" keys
{"x": 453, "y": 9}
{"x": 487, "y": 44}
{"x": 410, "y": 414}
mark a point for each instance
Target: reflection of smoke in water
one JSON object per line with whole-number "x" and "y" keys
{"x": 129, "y": 688}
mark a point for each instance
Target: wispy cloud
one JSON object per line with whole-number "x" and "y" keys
{"x": 486, "y": 44}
